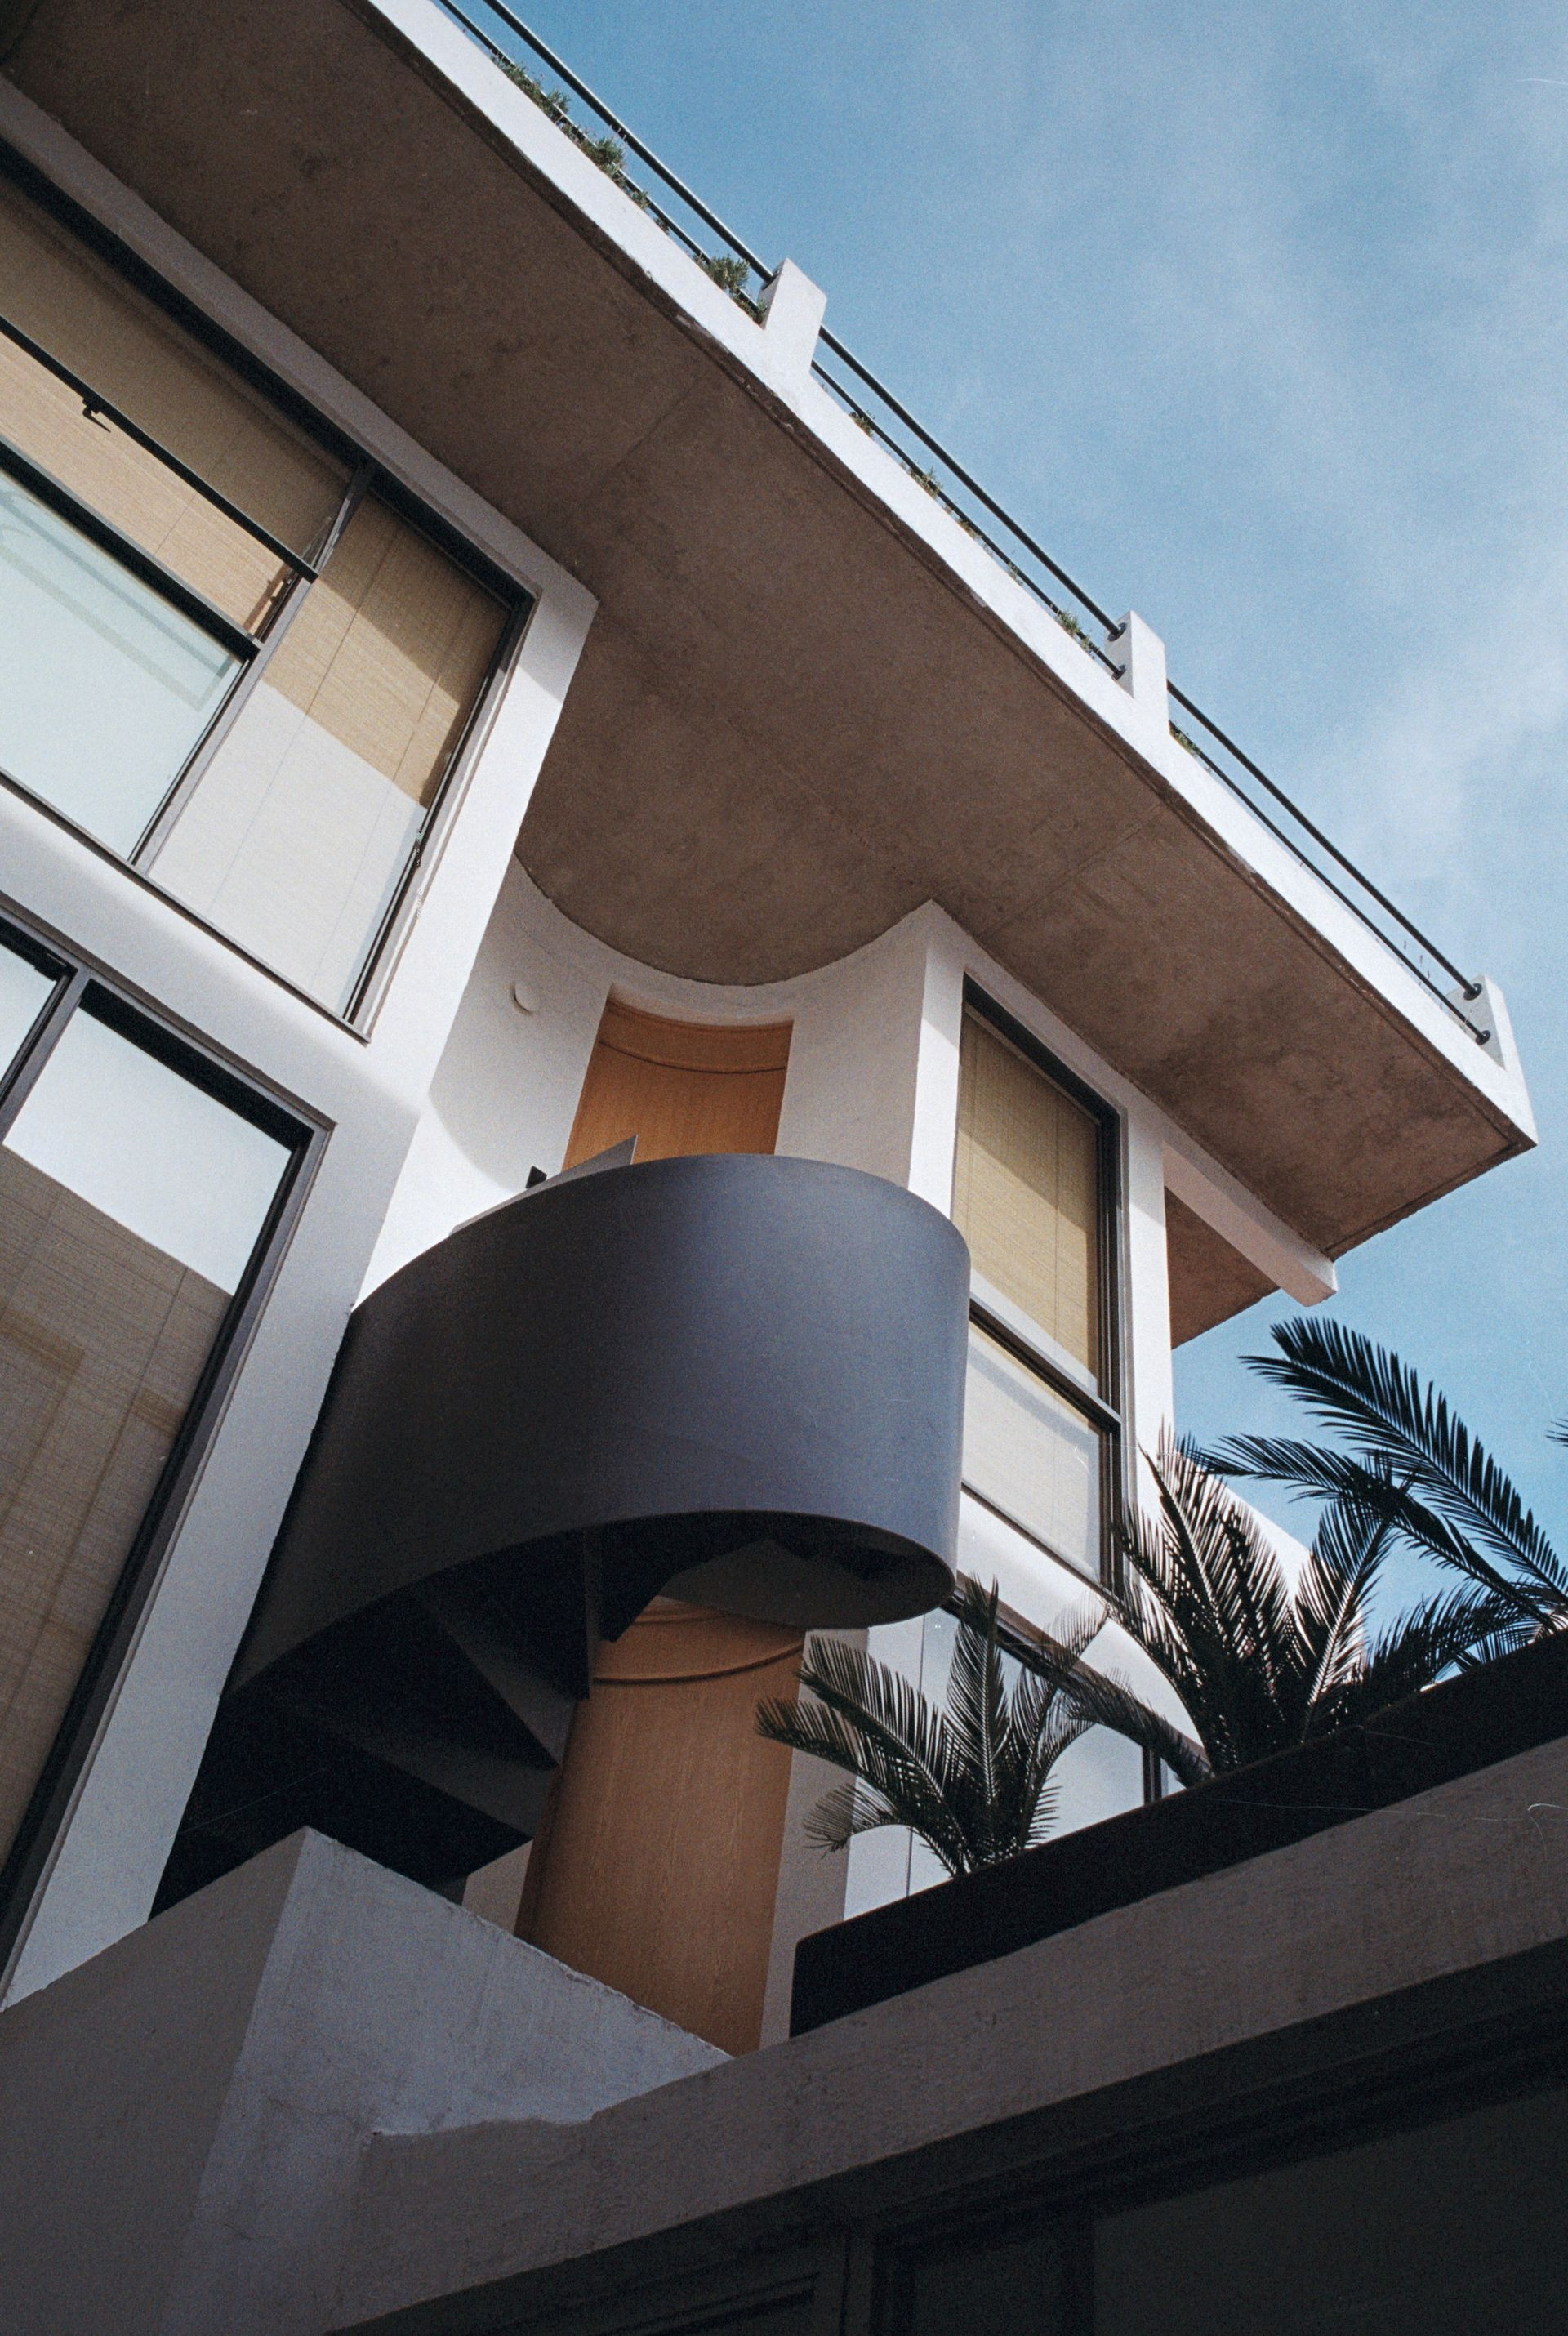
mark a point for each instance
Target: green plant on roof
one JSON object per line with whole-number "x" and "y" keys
{"x": 608, "y": 152}
{"x": 728, "y": 272}
{"x": 1258, "y": 1663}
{"x": 553, "y": 101}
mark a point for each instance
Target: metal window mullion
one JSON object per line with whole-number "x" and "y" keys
{"x": 1094, "y": 1406}
{"x": 40, "y": 1043}
{"x": 156, "y": 833}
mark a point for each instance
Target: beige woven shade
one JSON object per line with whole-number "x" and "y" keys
{"x": 64, "y": 297}
{"x": 137, "y": 493}
{"x": 1027, "y": 1189}
{"x": 390, "y": 649}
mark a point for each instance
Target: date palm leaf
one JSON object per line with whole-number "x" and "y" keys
{"x": 1258, "y": 1667}
{"x": 1390, "y": 1419}
{"x": 972, "y": 1779}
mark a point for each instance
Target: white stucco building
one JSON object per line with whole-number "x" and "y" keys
{"x": 472, "y": 690}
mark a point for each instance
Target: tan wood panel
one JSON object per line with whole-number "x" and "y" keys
{"x": 659, "y": 1867}
{"x": 656, "y": 1866}
{"x": 679, "y": 1087}
{"x": 695, "y": 1046}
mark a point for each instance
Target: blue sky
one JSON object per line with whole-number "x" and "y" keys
{"x": 1258, "y": 316}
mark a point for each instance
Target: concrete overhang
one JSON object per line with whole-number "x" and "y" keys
{"x": 809, "y": 700}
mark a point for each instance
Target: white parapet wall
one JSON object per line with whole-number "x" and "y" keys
{"x": 186, "y": 2114}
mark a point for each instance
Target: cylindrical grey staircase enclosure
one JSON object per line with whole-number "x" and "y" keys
{"x": 736, "y": 1378}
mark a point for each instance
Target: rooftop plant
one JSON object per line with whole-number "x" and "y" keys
{"x": 1257, "y": 1666}
{"x": 1404, "y": 1456}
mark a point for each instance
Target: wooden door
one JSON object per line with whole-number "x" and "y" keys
{"x": 657, "y": 1867}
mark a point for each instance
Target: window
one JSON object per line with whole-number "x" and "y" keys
{"x": 226, "y": 651}
{"x": 138, "y": 1186}
{"x": 1031, "y": 1194}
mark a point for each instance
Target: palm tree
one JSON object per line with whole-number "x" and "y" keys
{"x": 972, "y": 1780}
{"x": 1256, "y": 1667}
{"x": 1410, "y": 1460}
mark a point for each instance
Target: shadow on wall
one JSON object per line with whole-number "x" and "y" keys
{"x": 505, "y": 1077}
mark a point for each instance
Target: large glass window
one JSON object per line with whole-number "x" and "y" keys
{"x": 225, "y": 652}
{"x": 106, "y": 688}
{"x": 298, "y": 835}
{"x": 132, "y": 1199}
{"x": 1030, "y": 1197}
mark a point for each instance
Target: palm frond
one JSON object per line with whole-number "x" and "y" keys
{"x": 977, "y": 1697}
{"x": 1379, "y": 1403}
{"x": 1412, "y": 1652}
{"x": 1350, "y": 1550}
{"x": 972, "y": 1781}
{"x": 1099, "y": 1697}
{"x": 1318, "y": 1471}
{"x": 868, "y": 1720}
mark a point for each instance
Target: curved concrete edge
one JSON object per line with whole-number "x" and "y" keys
{"x": 1444, "y": 1883}
{"x": 185, "y": 2114}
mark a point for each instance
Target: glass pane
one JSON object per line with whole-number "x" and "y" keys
{"x": 296, "y": 840}
{"x": 67, "y": 299}
{"x": 1009, "y": 2286}
{"x": 1027, "y": 1189}
{"x": 24, "y": 992}
{"x": 137, "y": 492}
{"x": 129, "y": 1204}
{"x": 104, "y": 688}
{"x": 1030, "y": 1454}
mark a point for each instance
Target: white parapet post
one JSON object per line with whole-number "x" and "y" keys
{"x": 1143, "y": 677}
{"x": 793, "y": 308}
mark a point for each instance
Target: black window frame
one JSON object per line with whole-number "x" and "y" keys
{"x": 365, "y": 475}
{"x": 81, "y": 984}
{"x": 1102, "y": 1405}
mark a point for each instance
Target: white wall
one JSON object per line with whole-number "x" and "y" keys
{"x": 504, "y": 1096}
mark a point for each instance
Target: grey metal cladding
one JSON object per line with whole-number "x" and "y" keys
{"x": 736, "y": 1378}
{"x": 741, "y": 1336}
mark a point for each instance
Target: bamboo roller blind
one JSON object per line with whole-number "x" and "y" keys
{"x": 390, "y": 649}
{"x": 137, "y": 492}
{"x": 1025, "y": 1189}
{"x": 65, "y": 298}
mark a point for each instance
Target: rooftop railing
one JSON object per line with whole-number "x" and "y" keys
{"x": 656, "y": 190}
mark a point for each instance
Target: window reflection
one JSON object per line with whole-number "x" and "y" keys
{"x": 105, "y": 687}
{"x": 1030, "y": 1454}
{"x": 131, "y": 1201}
{"x": 24, "y": 993}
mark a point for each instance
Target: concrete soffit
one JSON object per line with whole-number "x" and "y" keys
{"x": 789, "y": 729}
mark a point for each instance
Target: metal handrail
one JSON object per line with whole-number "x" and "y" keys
{"x": 1018, "y": 536}
{"x": 1472, "y": 989}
